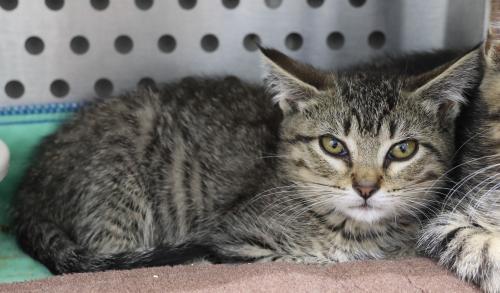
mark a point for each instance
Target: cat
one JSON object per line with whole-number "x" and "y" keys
{"x": 313, "y": 167}
{"x": 465, "y": 234}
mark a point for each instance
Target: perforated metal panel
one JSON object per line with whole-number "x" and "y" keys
{"x": 56, "y": 50}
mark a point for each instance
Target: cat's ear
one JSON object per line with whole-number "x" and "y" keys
{"x": 491, "y": 47}
{"x": 490, "y": 86}
{"x": 293, "y": 84}
{"x": 443, "y": 90}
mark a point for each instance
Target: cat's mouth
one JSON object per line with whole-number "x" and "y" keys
{"x": 364, "y": 206}
{"x": 366, "y": 212}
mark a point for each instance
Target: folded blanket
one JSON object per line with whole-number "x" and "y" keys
{"x": 408, "y": 275}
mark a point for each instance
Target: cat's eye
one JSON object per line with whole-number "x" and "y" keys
{"x": 332, "y": 146}
{"x": 403, "y": 150}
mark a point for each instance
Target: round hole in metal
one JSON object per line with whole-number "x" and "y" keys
{"x": 294, "y": 41}
{"x": 209, "y": 43}
{"x": 59, "y": 88}
{"x": 14, "y": 89}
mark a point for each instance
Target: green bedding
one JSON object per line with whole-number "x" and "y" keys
{"x": 21, "y": 128}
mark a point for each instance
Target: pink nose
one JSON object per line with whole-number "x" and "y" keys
{"x": 365, "y": 190}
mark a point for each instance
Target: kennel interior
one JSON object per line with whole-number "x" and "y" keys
{"x": 56, "y": 53}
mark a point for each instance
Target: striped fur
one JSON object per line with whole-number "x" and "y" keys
{"x": 209, "y": 168}
{"x": 465, "y": 233}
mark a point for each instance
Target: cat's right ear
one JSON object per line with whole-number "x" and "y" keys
{"x": 443, "y": 90}
{"x": 293, "y": 84}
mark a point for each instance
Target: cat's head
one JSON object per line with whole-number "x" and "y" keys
{"x": 368, "y": 144}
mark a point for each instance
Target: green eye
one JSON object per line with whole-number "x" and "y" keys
{"x": 332, "y": 146}
{"x": 403, "y": 150}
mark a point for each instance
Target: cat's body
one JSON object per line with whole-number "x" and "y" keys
{"x": 168, "y": 162}
{"x": 177, "y": 169}
{"x": 343, "y": 170}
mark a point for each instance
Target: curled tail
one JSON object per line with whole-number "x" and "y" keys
{"x": 50, "y": 245}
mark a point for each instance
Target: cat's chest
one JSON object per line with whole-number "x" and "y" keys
{"x": 347, "y": 242}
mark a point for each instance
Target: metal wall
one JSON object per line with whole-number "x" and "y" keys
{"x": 56, "y": 50}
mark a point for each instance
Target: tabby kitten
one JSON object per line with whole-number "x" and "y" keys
{"x": 465, "y": 236}
{"x": 340, "y": 170}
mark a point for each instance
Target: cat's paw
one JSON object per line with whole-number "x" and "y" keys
{"x": 479, "y": 260}
{"x": 492, "y": 283}
{"x": 471, "y": 249}
{"x": 475, "y": 256}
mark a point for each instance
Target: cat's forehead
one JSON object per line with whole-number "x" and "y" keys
{"x": 366, "y": 89}
{"x": 365, "y": 102}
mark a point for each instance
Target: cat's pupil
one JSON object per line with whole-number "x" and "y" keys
{"x": 403, "y": 147}
{"x": 334, "y": 143}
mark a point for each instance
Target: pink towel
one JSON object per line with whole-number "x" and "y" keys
{"x": 407, "y": 275}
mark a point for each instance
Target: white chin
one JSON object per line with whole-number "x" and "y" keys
{"x": 367, "y": 214}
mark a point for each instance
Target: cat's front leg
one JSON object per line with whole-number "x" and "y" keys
{"x": 249, "y": 252}
{"x": 469, "y": 247}
{"x": 302, "y": 259}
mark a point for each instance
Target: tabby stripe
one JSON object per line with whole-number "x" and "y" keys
{"x": 154, "y": 142}
{"x": 256, "y": 241}
{"x": 431, "y": 148}
{"x": 339, "y": 227}
{"x": 430, "y": 175}
{"x": 179, "y": 189}
{"x": 392, "y": 128}
{"x": 449, "y": 237}
{"x": 208, "y": 204}
{"x": 300, "y": 139}
{"x": 347, "y": 126}
{"x": 486, "y": 266}
{"x": 205, "y": 199}
{"x": 132, "y": 121}
{"x": 321, "y": 218}
{"x": 380, "y": 121}
{"x": 359, "y": 237}
{"x": 121, "y": 140}
{"x": 171, "y": 206}
{"x": 495, "y": 117}
{"x": 300, "y": 163}
{"x": 188, "y": 197}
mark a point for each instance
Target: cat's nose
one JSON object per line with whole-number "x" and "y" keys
{"x": 366, "y": 190}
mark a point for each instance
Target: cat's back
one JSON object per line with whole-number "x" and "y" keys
{"x": 144, "y": 139}
{"x": 214, "y": 104}
{"x": 217, "y": 100}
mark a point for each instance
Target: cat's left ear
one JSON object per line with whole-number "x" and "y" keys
{"x": 293, "y": 84}
{"x": 443, "y": 90}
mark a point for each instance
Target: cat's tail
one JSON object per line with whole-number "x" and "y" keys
{"x": 50, "y": 245}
